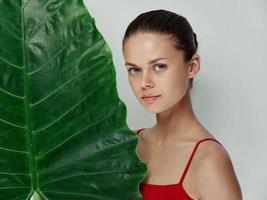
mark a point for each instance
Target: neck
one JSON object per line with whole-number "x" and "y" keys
{"x": 176, "y": 122}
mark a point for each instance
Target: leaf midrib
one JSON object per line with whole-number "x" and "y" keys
{"x": 28, "y": 116}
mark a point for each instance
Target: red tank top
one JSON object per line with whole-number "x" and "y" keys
{"x": 172, "y": 191}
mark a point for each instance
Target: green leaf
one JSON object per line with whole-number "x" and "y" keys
{"x": 63, "y": 131}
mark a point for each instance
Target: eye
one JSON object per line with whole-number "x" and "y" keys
{"x": 160, "y": 67}
{"x": 133, "y": 70}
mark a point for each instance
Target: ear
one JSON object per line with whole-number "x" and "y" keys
{"x": 193, "y": 66}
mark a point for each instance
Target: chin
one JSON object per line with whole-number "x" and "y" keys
{"x": 153, "y": 109}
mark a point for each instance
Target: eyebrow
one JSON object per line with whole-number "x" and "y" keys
{"x": 150, "y": 62}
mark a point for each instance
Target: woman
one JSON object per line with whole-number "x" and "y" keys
{"x": 184, "y": 160}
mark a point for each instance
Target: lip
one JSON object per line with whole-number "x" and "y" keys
{"x": 150, "y": 98}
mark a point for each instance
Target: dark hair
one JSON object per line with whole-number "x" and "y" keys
{"x": 163, "y": 21}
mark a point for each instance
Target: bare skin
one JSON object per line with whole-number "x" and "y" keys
{"x": 166, "y": 147}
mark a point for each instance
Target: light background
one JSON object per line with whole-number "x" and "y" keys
{"x": 229, "y": 95}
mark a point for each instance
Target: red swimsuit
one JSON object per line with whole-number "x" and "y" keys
{"x": 173, "y": 191}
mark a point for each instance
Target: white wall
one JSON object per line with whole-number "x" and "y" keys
{"x": 229, "y": 94}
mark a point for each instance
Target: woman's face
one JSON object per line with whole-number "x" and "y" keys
{"x": 156, "y": 70}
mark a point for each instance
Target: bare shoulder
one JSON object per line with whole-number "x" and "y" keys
{"x": 142, "y": 144}
{"x": 215, "y": 173}
{"x": 212, "y": 151}
{"x": 143, "y": 133}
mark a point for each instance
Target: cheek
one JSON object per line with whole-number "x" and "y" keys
{"x": 176, "y": 78}
{"x": 133, "y": 83}
{"x": 176, "y": 87}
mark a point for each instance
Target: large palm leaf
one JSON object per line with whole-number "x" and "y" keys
{"x": 63, "y": 131}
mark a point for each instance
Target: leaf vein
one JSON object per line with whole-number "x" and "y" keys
{"x": 13, "y": 95}
{"x": 10, "y": 33}
{"x": 6, "y": 188}
{"x": 82, "y": 194}
{"x": 39, "y": 26}
{"x": 73, "y": 107}
{"x": 93, "y": 154}
{"x": 11, "y": 64}
{"x": 18, "y": 126}
{"x": 64, "y": 84}
{"x": 15, "y": 151}
{"x": 90, "y": 174}
{"x": 8, "y": 173}
{"x": 16, "y": 4}
{"x": 75, "y": 134}
{"x": 25, "y": 4}
{"x": 55, "y": 54}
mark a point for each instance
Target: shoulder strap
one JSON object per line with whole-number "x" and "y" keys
{"x": 192, "y": 155}
{"x": 139, "y": 130}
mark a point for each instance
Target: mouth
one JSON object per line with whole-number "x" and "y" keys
{"x": 150, "y": 98}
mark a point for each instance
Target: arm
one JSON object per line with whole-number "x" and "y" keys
{"x": 216, "y": 179}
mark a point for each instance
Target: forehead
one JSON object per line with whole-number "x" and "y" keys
{"x": 149, "y": 45}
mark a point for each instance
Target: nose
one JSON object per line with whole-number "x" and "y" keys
{"x": 147, "y": 81}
